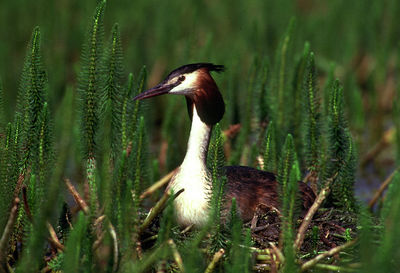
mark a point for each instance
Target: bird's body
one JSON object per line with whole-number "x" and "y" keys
{"x": 250, "y": 187}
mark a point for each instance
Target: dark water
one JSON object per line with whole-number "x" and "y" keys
{"x": 369, "y": 180}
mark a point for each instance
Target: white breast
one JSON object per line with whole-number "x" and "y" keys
{"x": 192, "y": 205}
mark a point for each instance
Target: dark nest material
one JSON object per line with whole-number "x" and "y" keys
{"x": 329, "y": 228}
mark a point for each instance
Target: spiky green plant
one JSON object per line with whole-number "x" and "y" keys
{"x": 41, "y": 167}
{"x": 165, "y": 231}
{"x": 139, "y": 160}
{"x": 282, "y": 86}
{"x": 31, "y": 99}
{"x": 387, "y": 256}
{"x": 131, "y": 110}
{"x": 311, "y": 122}
{"x": 365, "y": 237}
{"x": 343, "y": 188}
{"x": 215, "y": 156}
{"x": 131, "y": 166}
{"x": 130, "y": 176}
{"x": 216, "y": 162}
{"x": 132, "y": 183}
{"x": 44, "y": 200}
{"x": 270, "y": 155}
{"x": 135, "y": 109}
{"x": 238, "y": 253}
{"x": 296, "y": 120}
{"x": 341, "y": 159}
{"x": 90, "y": 83}
{"x": 112, "y": 96}
{"x": 75, "y": 247}
{"x": 32, "y": 144}
{"x": 286, "y": 163}
{"x": 288, "y": 227}
{"x": 288, "y": 175}
{"x": 33, "y": 131}
{"x": 8, "y": 173}
{"x": 46, "y": 155}
{"x": 124, "y": 111}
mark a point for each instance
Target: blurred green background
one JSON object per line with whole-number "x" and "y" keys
{"x": 360, "y": 37}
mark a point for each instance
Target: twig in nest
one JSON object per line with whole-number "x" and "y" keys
{"x": 260, "y": 210}
{"x": 381, "y": 189}
{"x": 53, "y": 237}
{"x": 157, "y": 185}
{"x": 78, "y": 199}
{"x": 335, "y": 268}
{"x": 257, "y": 229}
{"x": 157, "y": 209}
{"x": 307, "y": 265}
{"x": 97, "y": 243}
{"x": 8, "y": 230}
{"x": 177, "y": 256}
{"x": 277, "y": 252}
{"x": 254, "y": 221}
{"x": 99, "y": 220}
{"x": 188, "y": 228}
{"x": 217, "y": 256}
{"x": 313, "y": 209}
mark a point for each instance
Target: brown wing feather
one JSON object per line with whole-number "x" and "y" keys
{"x": 251, "y": 187}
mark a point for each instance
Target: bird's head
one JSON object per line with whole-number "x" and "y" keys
{"x": 196, "y": 84}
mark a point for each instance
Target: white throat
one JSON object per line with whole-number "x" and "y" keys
{"x": 192, "y": 206}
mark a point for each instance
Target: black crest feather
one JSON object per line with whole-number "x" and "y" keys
{"x": 188, "y": 68}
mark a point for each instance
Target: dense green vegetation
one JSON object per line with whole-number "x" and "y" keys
{"x": 311, "y": 94}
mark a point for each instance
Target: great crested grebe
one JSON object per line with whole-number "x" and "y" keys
{"x": 250, "y": 187}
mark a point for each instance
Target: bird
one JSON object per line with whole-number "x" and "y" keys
{"x": 250, "y": 187}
